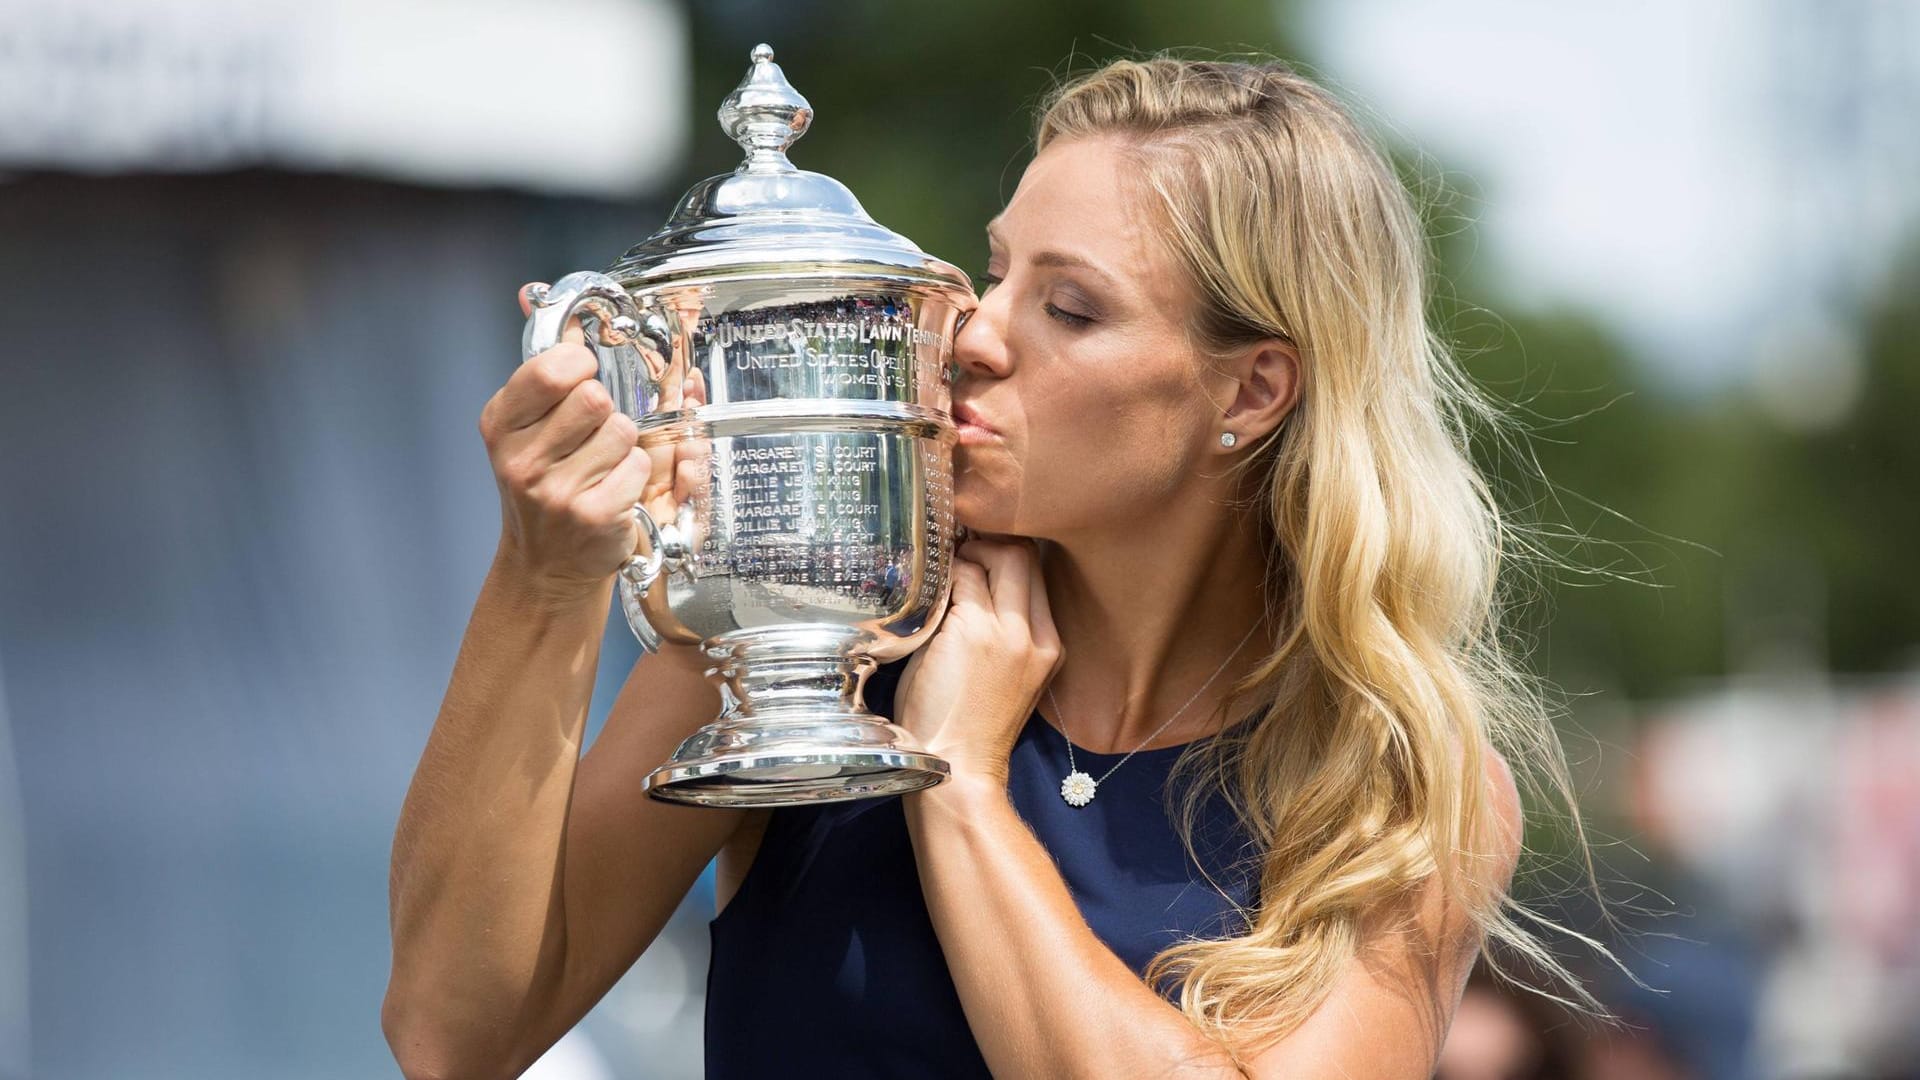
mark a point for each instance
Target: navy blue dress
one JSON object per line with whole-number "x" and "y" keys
{"x": 825, "y": 961}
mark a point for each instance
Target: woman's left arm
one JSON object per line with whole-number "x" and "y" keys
{"x": 1043, "y": 995}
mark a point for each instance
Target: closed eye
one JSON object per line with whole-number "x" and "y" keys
{"x": 1068, "y": 317}
{"x": 988, "y": 279}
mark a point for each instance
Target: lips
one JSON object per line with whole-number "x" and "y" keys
{"x": 966, "y": 415}
{"x": 972, "y": 429}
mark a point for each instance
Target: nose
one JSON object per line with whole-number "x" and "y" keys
{"x": 980, "y": 343}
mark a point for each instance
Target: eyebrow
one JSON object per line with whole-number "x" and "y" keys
{"x": 1056, "y": 258}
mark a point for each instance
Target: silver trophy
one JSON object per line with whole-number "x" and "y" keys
{"x": 787, "y": 360}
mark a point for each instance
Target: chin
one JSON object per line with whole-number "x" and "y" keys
{"x": 977, "y": 519}
{"x": 981, "y": 508}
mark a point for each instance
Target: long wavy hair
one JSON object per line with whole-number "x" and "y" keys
{"x": 1396, "y": 670}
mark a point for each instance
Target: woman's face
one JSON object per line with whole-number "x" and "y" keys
{"x": 1081, "y": 402}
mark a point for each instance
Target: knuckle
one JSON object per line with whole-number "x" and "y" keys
{"x": 549, "y": 381}
{"x": 624, "y": 469}
{"x": 520, "y": 474}
{"x": 489, "y": 420}
{"x": 593, "y": 397}
{"x": 553, "y": 502}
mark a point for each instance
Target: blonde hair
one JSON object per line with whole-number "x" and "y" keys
{"x": 1387, "y": 545}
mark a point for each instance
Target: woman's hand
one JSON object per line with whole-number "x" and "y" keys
{"x": 570, "y": 469}
{"x": 967, "y": 693}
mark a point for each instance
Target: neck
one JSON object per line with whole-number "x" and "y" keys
{"x": 1146, "y": 613}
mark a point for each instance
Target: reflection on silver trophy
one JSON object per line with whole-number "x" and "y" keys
{"x": 787, "y": 361}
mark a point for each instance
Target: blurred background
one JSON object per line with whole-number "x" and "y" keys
{"x": 257, "y": 273}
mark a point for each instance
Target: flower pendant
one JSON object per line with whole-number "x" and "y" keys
{"x": 1078, "y": 788}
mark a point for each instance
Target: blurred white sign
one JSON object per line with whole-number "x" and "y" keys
{"x": 576, "y": 96}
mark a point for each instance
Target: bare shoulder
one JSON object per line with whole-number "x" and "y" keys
{"x": 1389, "y": 1008}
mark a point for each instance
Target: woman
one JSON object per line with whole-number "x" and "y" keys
{"x": 1220, "y": 681}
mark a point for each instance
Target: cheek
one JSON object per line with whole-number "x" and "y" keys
{"x": 1138, "y": 429}
{"x": 1085, "y": 458}
{"x": 1131, "y": 453}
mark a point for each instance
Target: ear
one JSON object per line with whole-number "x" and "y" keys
{"x": 1267, "y": 390}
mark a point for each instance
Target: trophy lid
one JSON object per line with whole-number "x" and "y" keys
{"x": 767, "y": 217}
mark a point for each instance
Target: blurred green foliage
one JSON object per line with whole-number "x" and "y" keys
{"x": 926, "y": 110}
{"x": 1705, "y": 536}
{"x": 1697, "y": 530}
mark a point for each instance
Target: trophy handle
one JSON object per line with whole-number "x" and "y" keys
{"x": 633, "y": 346}
{"x": 666, "y": 546}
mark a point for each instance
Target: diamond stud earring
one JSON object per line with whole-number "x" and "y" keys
{"x": 1227, "y": 439}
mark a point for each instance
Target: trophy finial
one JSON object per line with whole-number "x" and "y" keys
{"x": 765, "y": 114}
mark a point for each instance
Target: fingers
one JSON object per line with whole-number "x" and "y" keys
{"x": 620, "y": 489}
{"x": 567, "y": 428}
{"x": 541, "y": 383}
{"x": 567, "y": 466}
{"x": 1003, "y": 578}
{"x": 970, "y": 584}
{"x": 1011, "y": 569}
{"x": 690, "y": 477}
{"x": 666, "y": 472}
{"x": 1001, "y": 581}
{"x": 537, "y": 386}
{"x": 604, "y": 448}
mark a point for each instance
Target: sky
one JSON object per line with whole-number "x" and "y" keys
{"x": 1713, "y": 178}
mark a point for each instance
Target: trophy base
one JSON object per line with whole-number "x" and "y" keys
{"x": 796, "y": 762}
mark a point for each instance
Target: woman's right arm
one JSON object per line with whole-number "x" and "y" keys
{"x": 525, "y": 879}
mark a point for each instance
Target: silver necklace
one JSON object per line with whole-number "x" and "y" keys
{"x": 1078, "y": 788}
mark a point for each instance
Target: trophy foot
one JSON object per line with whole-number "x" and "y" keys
{"x": 792, "y": 763}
